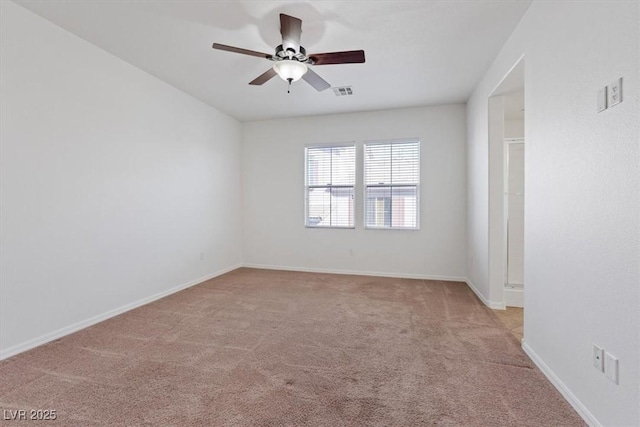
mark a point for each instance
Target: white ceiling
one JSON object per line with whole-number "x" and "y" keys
{"x": 417, "y": 52}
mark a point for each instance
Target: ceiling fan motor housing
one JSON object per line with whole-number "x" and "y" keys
{"x": 281, "y": 54}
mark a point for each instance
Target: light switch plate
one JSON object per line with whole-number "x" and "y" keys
{"x": 602, "y": 99}
{"x": 614, "y": 93}
{"x": 611, "y": 367}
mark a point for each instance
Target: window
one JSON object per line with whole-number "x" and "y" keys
{"x": 392, "y": 175}
{"x": 330, "y": 180}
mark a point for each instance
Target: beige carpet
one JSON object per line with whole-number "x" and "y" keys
{"x": 268, "y": 348}
{"x": 513, "y": 319}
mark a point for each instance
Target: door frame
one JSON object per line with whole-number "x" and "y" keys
{"x": 513, "y": 80}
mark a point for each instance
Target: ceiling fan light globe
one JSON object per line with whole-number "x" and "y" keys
{"x": 290, "y": 70}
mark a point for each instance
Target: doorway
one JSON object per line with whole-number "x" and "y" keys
{"x": 506, "y": 194}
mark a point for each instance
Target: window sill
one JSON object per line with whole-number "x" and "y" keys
{"x": 329, "y": 228}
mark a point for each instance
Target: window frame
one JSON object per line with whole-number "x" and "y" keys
{"x": 390, "y": 186}
{"x": 307, "y": 186}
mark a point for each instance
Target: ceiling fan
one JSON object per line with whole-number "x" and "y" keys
{"x": 291, "y": 59}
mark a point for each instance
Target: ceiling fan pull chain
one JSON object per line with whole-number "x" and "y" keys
{"x": 289, "y": 87}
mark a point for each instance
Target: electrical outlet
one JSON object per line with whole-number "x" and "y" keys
{"x": 598, "y": 358}
{"x": 614, "y": 93}
{"x": 611, "y": 367}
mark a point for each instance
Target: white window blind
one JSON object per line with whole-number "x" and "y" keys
{"x": 392, "y": 177}
{"x": 330, "y": 180}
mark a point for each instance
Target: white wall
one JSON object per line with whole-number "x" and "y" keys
{"x": 273, "y": 180}
{"x": 113, "y": 183}
{"x": 513, "y": 128}
{"x": 582, "y": 180}
{"x": 496, "y": 202}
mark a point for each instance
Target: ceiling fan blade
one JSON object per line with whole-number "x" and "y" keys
{"x": 315, "y": 80}
{"x": 290, "y": 28}
{"x": 240, "y": 50}
{"x": 264, "y": 77}
{"x": 347, "y": 57}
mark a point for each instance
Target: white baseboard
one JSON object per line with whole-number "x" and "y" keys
{"x": 356, "y": 273}
{"x": 495, "y": 305}
{"x": 562, "y": 388}
{"x": 514, "y": 297}
{"x": 43, "y": 339}
{"x": 491, "y": 304}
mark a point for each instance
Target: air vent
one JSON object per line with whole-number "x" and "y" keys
{"x": 343, "y": 91}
